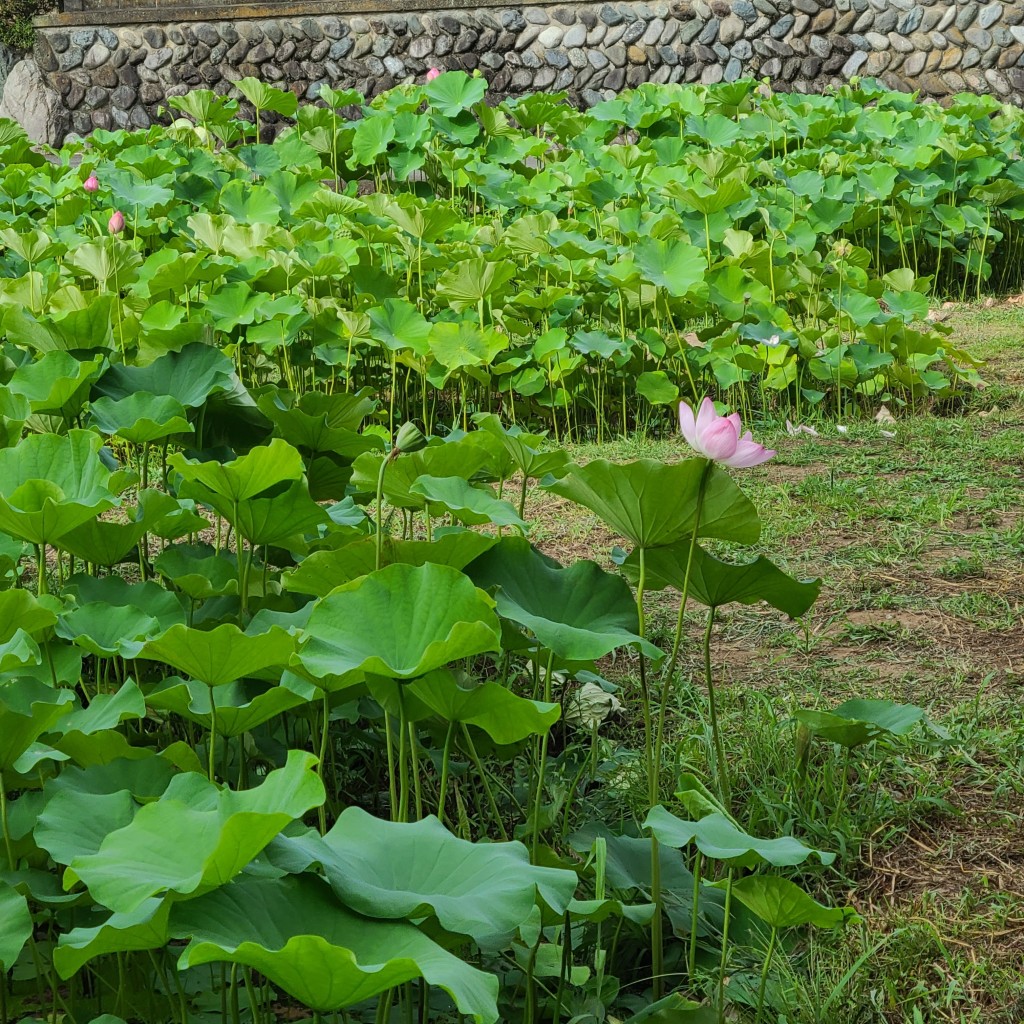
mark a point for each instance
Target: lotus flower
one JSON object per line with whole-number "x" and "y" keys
{"x": 433, "y": 73}
{"x": 718, "y": 437}
{"x": 91, "y": 184}
{"x": 116, "y": 223}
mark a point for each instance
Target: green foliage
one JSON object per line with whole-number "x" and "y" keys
{"x": 16, "y": 22}
{"x": 285, "y": 716}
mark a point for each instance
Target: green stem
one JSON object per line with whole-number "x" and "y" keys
{"x": 691, "y": 963}
{"x": 324, "y": 730}
{"x": 212, "y": 752}
{"x": 670, "y": 667}
{"x": 764, "y": 975}
{"x": 478, "y": 764}
{"x": 721, "y": 768}
{"x": 445, "y": 758}
{"x": 4, "y": 825}
{"x": 538, "y": 798}
{"x": 725, "y": 948}
{"x": 403, "y": 757}
{"x": 380, "y": 513}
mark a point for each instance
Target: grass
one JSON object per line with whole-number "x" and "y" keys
{"x": 920, "y": 542}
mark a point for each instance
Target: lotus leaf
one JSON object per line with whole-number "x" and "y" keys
{"x": 195, "y": 837}
{"x": 716, "y": 836}
{"x": 653, "y": 504}
{"x": 294, "y": 931}
{"x": 400, "y": 622}
{"x": 580, "y": 613}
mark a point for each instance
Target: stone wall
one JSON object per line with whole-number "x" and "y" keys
{"x": 120, "y": 77}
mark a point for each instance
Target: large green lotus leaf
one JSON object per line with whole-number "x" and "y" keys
{"x": 322, "y": 571}
{"x": 674, "y": 1009}
{"x": 190, "y": 376}
{"x": 15, "y": 925}
{"x": 503, "y": 715}
{"x": 280, "y": 518}
{"x": 453, "y": 459}
{"x": 28, "y": 708}
{"x": 266, "y": 97}
{"x": 113, "y": 617}
{"x": 51, "y": 483}
{"x": 141, "y": 417}
{"x": 198, "y": 570}
{"x": 84, "y": 805}
{"x": 453, "y": 92}
{"x": 471, "y": 505}
{"x": 56, "y": 383}
{"x": 19, "y": 653}
{"x": 145, "y": 927}
{"x": 240, "y": 707}
{"x": 394, "y": 870}
{"x": 596, "y": 911}
{"x": 580, "y": 613}
{"x": 105, "y": 711}
{"x": 220, "y": 655}
{"x": 293, "y": 931}
{"x": 106, "y": 543}
{"x": 398, "y": 325}
{"x": 856, "y": 722}
{"x": 458, "y": 345}
{"x": 320, "y": 423}
{"x": 400, "y": 622}
{"x": 781, "y": 903}
{"x": 525, "y": 449}
{"x": 20, "y": 610}
{"x": 716, "y": 836}
{"x": 715, "y": 583}
{"x": 245, "y": 477}
{"x": 678, "y": 267}
{"x": 654, "y": 503}
{"x": 196, "y": 836}
{"x": 99, "y": 747}
{"x": 75, "y": 825}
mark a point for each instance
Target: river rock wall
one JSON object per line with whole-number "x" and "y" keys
{"x": 111, "y": 77}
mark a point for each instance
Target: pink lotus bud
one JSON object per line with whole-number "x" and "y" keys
{"x": 718, "y": 437}
{"x": 432, "y": 74}
{"x": 116, "y": 223}
{"x": 91, "y": 184}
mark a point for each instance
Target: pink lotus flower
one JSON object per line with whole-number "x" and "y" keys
{"x": 718, "y": 437}
{"x": 116, "y": 224}
{"x": 433, "y": 73}
{"x": 91, "y": 184}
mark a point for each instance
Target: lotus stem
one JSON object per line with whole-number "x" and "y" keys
{"x": 722, "y": 770}
{"x": 677, "y": 640}
{"x": 380, "y": 513}
{"x": 764, "y": 975}
{"x": 211, "y": 767}
{"x": 691, "y": 963}
{"x": 445, "y": 759}
{"x": 4, "y": 825}
{"x": 324, "y": 731}
{"x": 725, "y": 948}
{"x": 538, "y": 799}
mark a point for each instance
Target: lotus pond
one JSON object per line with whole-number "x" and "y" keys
{"x": 299, "y": 716}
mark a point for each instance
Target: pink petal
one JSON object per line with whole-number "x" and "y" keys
{"x": 719, "y": 441}
{"x": 688, "y": 424}
{"x": 748, "y": 453}
{"x": 735, "y": 420}
{"x": 705, "y": 417}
